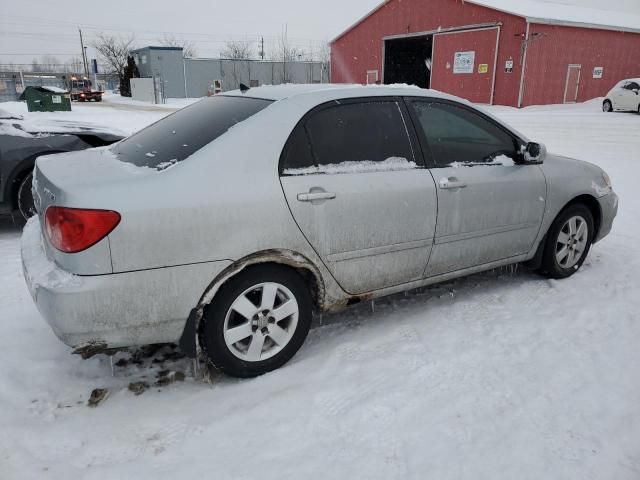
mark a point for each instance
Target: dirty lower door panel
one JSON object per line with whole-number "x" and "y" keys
{"x": 377, "y": 231}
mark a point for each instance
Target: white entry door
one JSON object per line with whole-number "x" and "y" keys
{"x": 572, "y": 84}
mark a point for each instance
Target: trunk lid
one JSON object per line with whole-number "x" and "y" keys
{"x": 79, "y": 180}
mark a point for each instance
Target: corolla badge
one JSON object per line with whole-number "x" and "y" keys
{"x": 50, "y": 194}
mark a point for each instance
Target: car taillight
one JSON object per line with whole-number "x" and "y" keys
{"x": 72, "y": 230}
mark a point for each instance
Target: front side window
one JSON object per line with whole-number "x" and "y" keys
{"x": 632, "y": 86}
{"x": 369, "y": 135}
{"x": 457, "y": 135}
{"x": 183, "y": 133}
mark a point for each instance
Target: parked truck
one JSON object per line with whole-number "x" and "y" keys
{"x": 82, "y": 91}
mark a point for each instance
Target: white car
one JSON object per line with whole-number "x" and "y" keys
{"x": 624, "y": 96}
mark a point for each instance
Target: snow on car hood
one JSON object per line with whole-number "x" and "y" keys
{"x": 43, "y": 126}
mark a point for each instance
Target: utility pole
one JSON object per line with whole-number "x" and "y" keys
{"x": 84, "y": 55}
{"x": 262, "y": 48}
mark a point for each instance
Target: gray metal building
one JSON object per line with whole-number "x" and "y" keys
{"x": 163, "y": 64}
{"x": 180, "y": 77}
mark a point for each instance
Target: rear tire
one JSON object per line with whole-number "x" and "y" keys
{"x": 568, "y": 242}
{"x": 607, "y": 106}
{"x": 26, "y": 204}
{"x": 276, "y": 316}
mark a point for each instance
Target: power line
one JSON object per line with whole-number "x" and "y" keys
{"x": 190, "y": 34}
{"x": 39, "y": 53}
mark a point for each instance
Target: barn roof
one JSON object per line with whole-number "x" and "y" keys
{"x": 560, "y": 13}
{"x": 548, "y": 12}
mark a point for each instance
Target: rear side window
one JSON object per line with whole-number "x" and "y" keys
{"x": 458, "y": 135}
{"x": 183, "y": 133}
{"x": 352, "y": 132}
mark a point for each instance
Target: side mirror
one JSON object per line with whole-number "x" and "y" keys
{"x": 636, "y": 91}
{"x": 534, "y": 153}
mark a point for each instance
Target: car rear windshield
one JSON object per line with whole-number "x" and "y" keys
{"x": 183, "y": 133}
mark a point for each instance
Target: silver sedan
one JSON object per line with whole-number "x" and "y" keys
{"x": 227, "y": 224}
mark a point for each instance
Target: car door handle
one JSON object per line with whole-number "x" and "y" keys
{"x": 451, "y": 183}
{"x": 316, "y": 196}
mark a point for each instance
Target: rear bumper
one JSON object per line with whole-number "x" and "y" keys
{"x": 118, "y": 310}
{"x": 609, "y": 209}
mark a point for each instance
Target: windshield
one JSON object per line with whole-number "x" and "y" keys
{"x": 183, "y": 133}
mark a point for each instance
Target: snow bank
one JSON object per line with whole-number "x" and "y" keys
{"x": 365, "y": 166}
{"x": 172, "y": 103}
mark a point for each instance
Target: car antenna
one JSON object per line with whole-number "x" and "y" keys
{"x": 244, "y": 88}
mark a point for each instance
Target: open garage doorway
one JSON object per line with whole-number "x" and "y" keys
{"x": 408, "y": 60}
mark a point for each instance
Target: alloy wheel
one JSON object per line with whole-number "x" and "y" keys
{"x": 261, "y": 322}
{"x": 572, "y": 242}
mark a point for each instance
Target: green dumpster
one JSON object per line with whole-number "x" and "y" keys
{"x": 46, "y": 99}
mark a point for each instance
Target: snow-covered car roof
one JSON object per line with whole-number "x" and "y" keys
{"x": 281, "y": 92}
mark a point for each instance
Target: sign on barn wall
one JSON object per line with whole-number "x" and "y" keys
{"x": 598, "y": 72}
{"x": 464, "y": 62}
{"x": 508, "y": 66}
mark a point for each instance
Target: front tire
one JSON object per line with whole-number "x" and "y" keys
{"x": 26, "y": 204}
{"x": 258, "y": 321}
{"x": 568, "y": 242}
{"x": 607, "y": 106}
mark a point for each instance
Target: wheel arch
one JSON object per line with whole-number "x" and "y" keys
{"x": 20, "y": 172}
{"x": 282, "y": 257}
{"x": 588, "y": 201}
{"x": 592, "y": 204}
{"x": 189, "y": 342}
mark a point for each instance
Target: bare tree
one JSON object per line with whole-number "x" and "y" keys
{"x": 74, "y": 65}
{"x": 237, "y": 50}
{"x": 286, "y": 53}
{"x": 188, "y": 48}
{"x": 49, "y": 63}
{"x": 113, "y": 51}
{"x": 324, "y": 52}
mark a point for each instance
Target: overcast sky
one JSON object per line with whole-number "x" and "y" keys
{"x": 33, "y": 28}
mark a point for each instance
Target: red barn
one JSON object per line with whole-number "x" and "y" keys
{"x": 507, "y": 52}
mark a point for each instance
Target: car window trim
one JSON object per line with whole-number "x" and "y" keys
{"x": 410, "y": 100}
{"x": 414, "y": 142}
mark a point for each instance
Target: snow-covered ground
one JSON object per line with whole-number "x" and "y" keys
{"x": 503, "y": 375}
